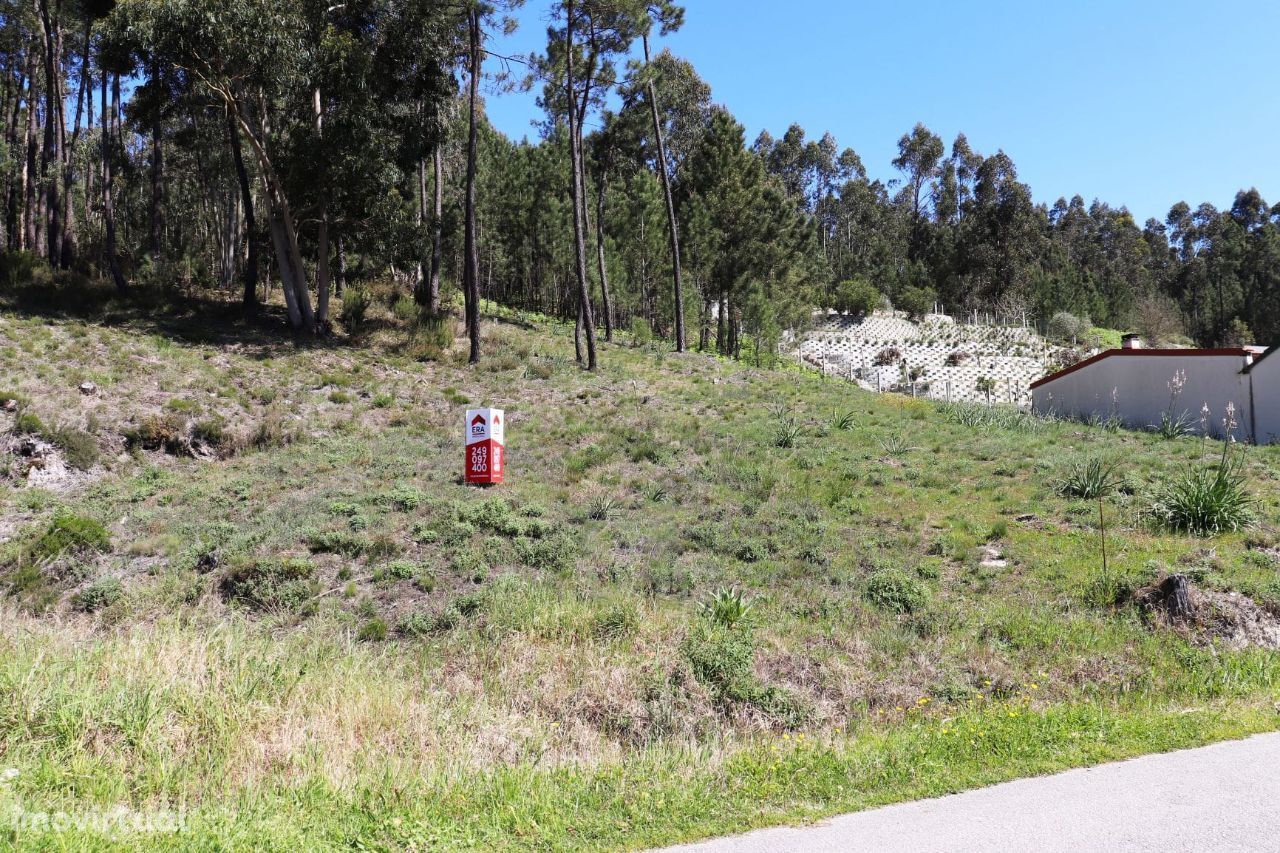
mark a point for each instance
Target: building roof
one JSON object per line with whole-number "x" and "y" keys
{"x": 1268, "y": 351}
{"x": 1238, "y": 352}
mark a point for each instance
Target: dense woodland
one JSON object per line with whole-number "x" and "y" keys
{"x": 309, "y": 153}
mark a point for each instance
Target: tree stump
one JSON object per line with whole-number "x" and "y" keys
{"x": 1172, "y": 596}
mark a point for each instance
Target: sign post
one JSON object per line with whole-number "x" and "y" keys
{"x": 485, "y": 447}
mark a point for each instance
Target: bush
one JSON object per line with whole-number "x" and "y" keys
{"x": 355, "y": 307}
{"x": 337, "y": 542}
{"x": 617, "y": 621}
{"x": 28, "y": 423}
{"x": 372, "y": 631}
{"x": 68, "y": 533}
{"x": 1067, "y": 327}
{"x": 97, "y": 595}
{"x": 895, "y": 591}
{"x": 273, "y": 431}
{"x": 726, "y": 607}
{"x": 723, "y": 660}
{"x": 857, "y": 296}
{"x": 431, "y": 335}
{"x": 1207, "y": 501}
{"x": 888, "y": 357}
{"x": 641, "y": 332}
{"x": 916, "y": 301}
{"x": 167, "y": 432}
{"x": 1089, "y": 480}
{"x": 556, "y": 553}
{"x": 80, "y": 448}
{"x": 270, "y": 584}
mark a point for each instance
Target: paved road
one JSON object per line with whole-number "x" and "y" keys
{"x": 1218, "y": 798}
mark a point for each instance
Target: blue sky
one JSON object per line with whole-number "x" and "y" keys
{"x": 1135, "y": 102}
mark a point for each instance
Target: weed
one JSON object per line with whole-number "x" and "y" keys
{"x": 895, "y": 591}
{"x": 726, "y": 607}
{"x": 372, "y": 631}
{"x": 1207, "y": 501}
{"x": 615, "y": 622}
{"x": 602, "y": 508}
{"x": 98, "y": 595}
{"x": 1089, "y": 479}
{"x": 270, "y": 584}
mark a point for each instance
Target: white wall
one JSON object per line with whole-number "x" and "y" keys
{"x": 1141, "y": 383}
{"x": 1265, "y": 376}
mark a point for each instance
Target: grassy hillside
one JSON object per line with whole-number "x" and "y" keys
{"x": 269, "y": 607}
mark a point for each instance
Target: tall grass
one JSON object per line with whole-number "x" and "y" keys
{"x": 978, "y": 416}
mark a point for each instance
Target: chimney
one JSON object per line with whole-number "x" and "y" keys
{"x": 1131, "y": 342}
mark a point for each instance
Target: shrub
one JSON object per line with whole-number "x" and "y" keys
{"x": 1065, "y": 326}
{"x": 1090, "y": 479}
{"x": 723, "y": 660}
{"x": 404, "y": 498}
{"x": 887, "y": 357}
{"x": 641, "y": 332}
{"x": 1207, "y": 501}
{"x": 211, "y": 433}
{"x": 68, "y": 533}
{"x": 617, "y": 621}
{"x": 372, "y": 631}
{"x": 355, "y": 307}
{"x": 556, "y": 553}
{"x": 727, "y": 607}
{"x": 895, "y": 591}
{"x": 273, "y": 431}
{"x": 270, "y": 584}
{"x": 958, "y": 358}
{"x": 857, "y": 296}
{"x": 97, "y": 595}
{"x": 397, "y": 570}
{"x": 80, "y": 448}
{"x": 751, "y": 552}
{"x": 916, "y": 301}
{"x": 337, "y": 542}
{"x": 431, "y": 335}
{"x": 165, "y": 432}
{"x": 28, "y": 423}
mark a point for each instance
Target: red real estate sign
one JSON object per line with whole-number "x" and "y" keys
{"x": 485, "y": 448}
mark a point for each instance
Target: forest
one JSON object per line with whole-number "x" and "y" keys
{"x": 317, "y": 155}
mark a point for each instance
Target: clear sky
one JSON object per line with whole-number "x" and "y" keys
{"x": 1135, "y": 102}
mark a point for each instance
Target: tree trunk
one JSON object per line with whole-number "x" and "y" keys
{"x": 157, "y": 177}
{"x": 577, "y": 193}
{"x": 68, "y": 220}
{"x": 471, "y": 257}
{"x": 284, "y": 235}
{"x": 340, "y": 280}
{"x": 672, "y": 227}
{"x": 322, "y": 234}
{"x": 108, "y": 207}
{"x": 284, "y": 261}
{"x": 50, "y": 157}
{"x": 437, "y": 231}
{"x": 250, "y": 297}
{"x": 29, "y": 193}
{"x": 600, "y": 261}
{"x": 420, "y": 294}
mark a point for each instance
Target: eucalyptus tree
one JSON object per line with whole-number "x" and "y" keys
{"x": 584, "y": 42}
{"x": 918, "y": 156}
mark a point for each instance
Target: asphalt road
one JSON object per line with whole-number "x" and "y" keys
{"x": 1217, "y": 798}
